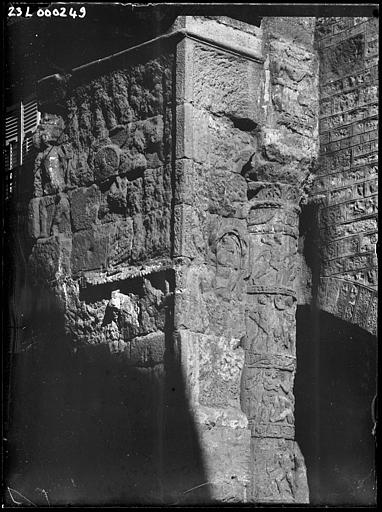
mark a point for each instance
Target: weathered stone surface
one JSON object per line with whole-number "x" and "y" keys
{"x": 50, "y": 258}
{"x": 227, "y": 456}
{"x": 50, "y": 131}
{"x": 48, "y": 216}
{"x": 278, "y": 472}
{"x": 84, "y": 204}
{"x": 121, "y": 244}
{"x": 215, "y": 91}
{"x": 220, "y": 366}
{"x": 79, "y": 172}
{"x": 186, "y": 258}
{"x": 90, "y": 249}
{"x": 347, "y": 168}
{"x": 106, "y": 163}
{"x": 147, "y": 350}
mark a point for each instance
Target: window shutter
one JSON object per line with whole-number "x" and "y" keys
{"x": 20, "y": 123}
{"x": 21, "y": 119}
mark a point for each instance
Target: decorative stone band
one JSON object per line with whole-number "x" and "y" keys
{"x": 271, "y": 430}
{"x": 97, "y": 277}
{"x": 349, "y": 301}
{"x": 280, "y": 193}
{"x": 273, "y": 230}
{"x": 273, "y": 217}
{"x": 271, "y": 290}
{"x": 266, "y": 360}
{"x": 268, "y": 203}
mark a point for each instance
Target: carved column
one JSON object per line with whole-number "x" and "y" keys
{"x": 278, "y": 473}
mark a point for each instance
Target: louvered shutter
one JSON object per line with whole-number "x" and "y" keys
{"x": 20, "y": 123}
{"x": 31, "y": 118}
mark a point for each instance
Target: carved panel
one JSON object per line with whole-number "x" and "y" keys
{"x": 279, "y": 473}
{"x": 270, "y": 324}
{"x": 273, "y": 260}
{"x": 268, "y": 401}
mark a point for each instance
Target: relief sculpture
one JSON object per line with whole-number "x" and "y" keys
{"x": 268, "y": 375}
{"x": 229, "y": 254}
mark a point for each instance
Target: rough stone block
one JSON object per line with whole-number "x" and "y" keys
{"x": 84, "y": 204}
{"x": 278, "y": 472}
{"x": 188, "y": 232}
{"x": 79, "y": 172}
{"x": 158, "y": 189}
{"x": 189, "y": 310}
{"x": 218, "y": 143}
{"x": 158, "y": 233}
{"x": 50, "y": 258}
{"x": 184, "y": 71}
{"x": 221, "y": 362}
{"x": 226, "y": 452}
{"x": 106, "y": 162}
{"x": 49, "y": 215}
{"x": 34, "y": 218}
{"x": 147, "y": 350}
{"x": 121, "y": 246}
{"x": 153, "y": 311}
{"x": 139, "y": 241}
{"x": 117, "y": 195}
{"x": 184, "y": 124}
{"x": 134, "y": 196}
{"x": 187, "y": 343}
{"x": 91, "y": 248}
{"x": 215, "y": 91}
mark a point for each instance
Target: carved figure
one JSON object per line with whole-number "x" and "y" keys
{"x": 280, "y": 472}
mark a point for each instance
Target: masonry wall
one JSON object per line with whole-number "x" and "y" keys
{"x": 101, "y": 293}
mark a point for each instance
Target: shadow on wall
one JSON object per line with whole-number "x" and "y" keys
{"x": 86, "y": 429}
{"x": 334, "y": 389}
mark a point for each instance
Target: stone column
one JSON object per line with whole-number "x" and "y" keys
{"x": 278, "y": 177}
{"x": 278, "y": 470}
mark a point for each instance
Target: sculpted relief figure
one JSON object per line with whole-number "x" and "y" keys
{"x": 50, "y": 177}
{"x": 229, "y": 253}
{"x": 281, "y": 477}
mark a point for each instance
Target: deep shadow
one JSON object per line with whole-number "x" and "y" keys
{"x": 88, "y": 429}
{"x": 334, "y": 389}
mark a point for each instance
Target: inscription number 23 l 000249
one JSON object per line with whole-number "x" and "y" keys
{"x": 61, "y": 12}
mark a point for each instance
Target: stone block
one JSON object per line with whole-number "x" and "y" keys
{"x": 158, "y": 232}
{"x": 188, "y": 232}
{"x": 79, "y": 172}
{"x": 122, "y": 242}
{"x": 278, "y": 472}
{"x": 221, "y": 362}
{"x": 158, "y": 189}
{"x": 50, "y": 258}
{"x": 34, "y": 218}
{"x": 215, "y": 91}
{"x": 147, "y": 350}
{"x": 226, "y": 453}
{"x": 106, "y": 162}
{"x": 117, "y": 195}
{"x": 49, "y": 215}
{"x": 84, "y": 204}
{"x": 91, "y": 248}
